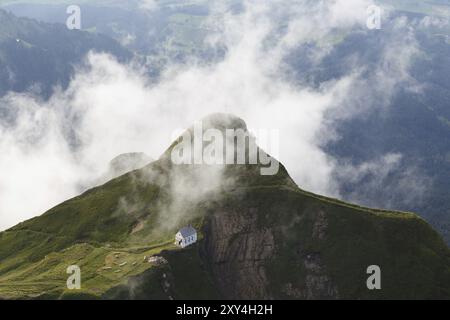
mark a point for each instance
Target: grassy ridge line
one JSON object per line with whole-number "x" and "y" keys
{"x": 93, "y": 243}
{"x": 334, "y": 201}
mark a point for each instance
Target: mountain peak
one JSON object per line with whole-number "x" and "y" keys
{"x": 292, "y": 244}
{"x": 223, "y": 121}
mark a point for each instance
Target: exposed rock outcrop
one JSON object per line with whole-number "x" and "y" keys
{"x": 238, "y": 252}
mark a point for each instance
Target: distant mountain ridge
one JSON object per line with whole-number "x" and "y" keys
{"x": 38, "y": 56}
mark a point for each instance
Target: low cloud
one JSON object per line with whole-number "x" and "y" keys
{"x": 54, "y": 148}
{"x": 389, "y": 181}
{"x": 148, "y": 5}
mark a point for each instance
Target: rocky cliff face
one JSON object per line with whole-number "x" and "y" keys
{"x": 240, "y": 251}
{"x": 278, "y": 243}
{"x": 318, "y": 284}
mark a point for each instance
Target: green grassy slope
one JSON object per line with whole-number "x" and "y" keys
{"x": 109, "y": 230}
{"x": 413, "y": 258}
{"x": 88, "y": 231}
